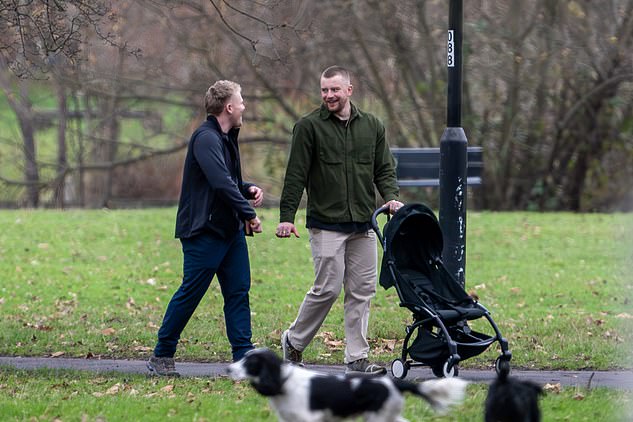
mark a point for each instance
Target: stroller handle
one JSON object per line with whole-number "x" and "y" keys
{"x": 374, "y": 222}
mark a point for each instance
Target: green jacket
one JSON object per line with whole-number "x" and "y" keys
{"x": 339, "y": 167}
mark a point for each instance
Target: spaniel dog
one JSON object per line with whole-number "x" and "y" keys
{"x": 512, "y": 400}
{"x": 298, "y": 394}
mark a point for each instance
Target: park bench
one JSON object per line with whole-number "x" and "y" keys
{"x": 421, "y": 166}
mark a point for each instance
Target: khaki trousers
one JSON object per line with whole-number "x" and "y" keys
{"x": 341, "y": 260}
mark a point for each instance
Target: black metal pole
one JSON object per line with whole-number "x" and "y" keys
{"x": 453, "y": 154}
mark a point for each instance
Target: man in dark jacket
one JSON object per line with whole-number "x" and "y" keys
{"x": 214, "y": 215}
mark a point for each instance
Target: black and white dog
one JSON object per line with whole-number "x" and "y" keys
{"x": 298, "y": 394}
{"x": 512, "y": 400}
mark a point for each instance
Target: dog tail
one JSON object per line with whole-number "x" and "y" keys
{"x": 441, "y": 394}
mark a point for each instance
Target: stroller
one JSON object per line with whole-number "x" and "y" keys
{"x": 439, "y": 336}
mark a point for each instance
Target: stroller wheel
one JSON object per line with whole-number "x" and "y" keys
{"x": 502, "y": 366}
{"x": 443, "y": 371}
{"x": 399, "y": 369}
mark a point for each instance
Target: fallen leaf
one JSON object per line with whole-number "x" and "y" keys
{"x": 57, "y": 354}
{"x": 552, "y": 388}
{"x": 385, "y": 345}
{"x": 114, "y": 389}
{"x": 168, "y": 388}
{"x": 330, "y": 341}
{"x": 579, "y": 396}
{"x": 108, "y": 331}
{"x": 130, "y": 303}
{"x": 39, "y": 327}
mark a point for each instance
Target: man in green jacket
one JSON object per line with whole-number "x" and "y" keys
{"x": 340, "y": 157}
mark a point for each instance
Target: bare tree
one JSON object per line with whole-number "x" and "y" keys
{"x": 544, "y": 93}
{"x": 62, "y": 155}
{"x": 547, "y": 86}
{"x": 20, "y": 103}
{"x": 36, "y": 32}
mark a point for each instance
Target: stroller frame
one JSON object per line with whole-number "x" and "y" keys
{"x": 439, "y": 345}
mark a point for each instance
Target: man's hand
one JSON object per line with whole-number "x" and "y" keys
{"x": 394, "y": 206}
{"x": 254, "y": 225}
{"x": 257, "y": 195}
{"x": 285, "y": 229}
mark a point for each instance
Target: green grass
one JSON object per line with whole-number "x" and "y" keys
{"x": 97, "y": 283}
{"x": 77, "y": 396}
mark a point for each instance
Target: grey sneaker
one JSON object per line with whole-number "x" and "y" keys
{"x": 162, "y": 366}
{"x": 362, "y": 366}
{"x": 291, "y": 354}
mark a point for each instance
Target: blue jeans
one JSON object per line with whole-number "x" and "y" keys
{"x": 205, "y": 256}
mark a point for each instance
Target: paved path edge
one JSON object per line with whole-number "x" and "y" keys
{"x": 583, "y": 379}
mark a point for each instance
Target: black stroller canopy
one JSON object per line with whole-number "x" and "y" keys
{"x": 413, "y": 239}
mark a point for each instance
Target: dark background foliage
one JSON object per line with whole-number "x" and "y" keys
{"x": 100, "y": 97}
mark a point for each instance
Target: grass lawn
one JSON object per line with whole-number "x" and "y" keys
{"x": 96, "y": 283}
{"x": 74, "y": 396}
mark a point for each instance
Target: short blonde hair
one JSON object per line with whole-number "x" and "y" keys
{"x": 332, "y": 71}
{"x": 218, "y": 94}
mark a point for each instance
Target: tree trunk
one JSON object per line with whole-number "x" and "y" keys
{"x": 31, "y": 172}
{"x": 21, "y": 105}
{"x": 62, "y": 159}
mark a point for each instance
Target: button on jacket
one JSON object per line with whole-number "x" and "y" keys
{"x": 340, "y": 166}
{"x": 213, "y": 196}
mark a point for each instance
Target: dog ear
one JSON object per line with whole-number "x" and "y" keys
{"x": 269, "y": 381}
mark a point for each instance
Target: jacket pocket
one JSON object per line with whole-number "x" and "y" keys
{"x": 222, "y": 220}
{"x": 329, "y": 154}
{"x": 364, "y": 151}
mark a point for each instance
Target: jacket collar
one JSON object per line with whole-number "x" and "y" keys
{"x": 325, "y": 114}
{"x": 212, "y": 122}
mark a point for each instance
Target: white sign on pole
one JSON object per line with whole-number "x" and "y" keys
{"x": 450, "y": 53}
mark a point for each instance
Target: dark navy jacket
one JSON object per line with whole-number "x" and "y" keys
{"x": 213, "y": 197}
